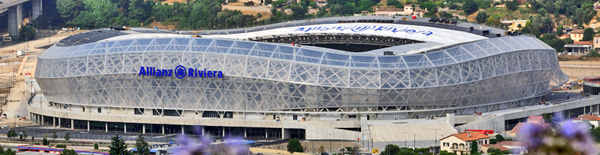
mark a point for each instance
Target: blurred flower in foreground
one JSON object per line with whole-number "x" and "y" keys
{"x": 566, "y": 137}
{"x": 202, "y": 145}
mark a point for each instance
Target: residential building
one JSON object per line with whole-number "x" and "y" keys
{"x": 579, "y": 47}
{"x": 513, "y": 25}
{"x": 461, "y": 143}
{"x": 576, "y": 35}
{"x": 593, "y": 120}
{"x": 596, "y": 41}
{"x": 409, "y": 9}
{"x": 389, "y": 11}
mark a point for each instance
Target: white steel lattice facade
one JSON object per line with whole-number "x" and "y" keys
{"x": 262, "y": 78}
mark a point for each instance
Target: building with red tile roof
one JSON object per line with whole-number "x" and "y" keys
{"x": 460, "y": 143}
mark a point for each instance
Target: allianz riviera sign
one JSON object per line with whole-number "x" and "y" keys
{"x": 363, "y": 28}
{"x": 180, "y": 72}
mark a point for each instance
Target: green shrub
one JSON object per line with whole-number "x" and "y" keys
{"x": 61, "y": 146}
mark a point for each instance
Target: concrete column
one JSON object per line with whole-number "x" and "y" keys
{"x": 53, "y": 122}
{"x": 105, "y": 126}
{"x": 245, "y": 132}
{"x": 72, "y": 124}
{"x": 124, "y": 127}
{"x": 15, "y": 19}
{"x": 163, "y": 129}
{"x": 282, "y": 133}
{"x": 182, "y": 130}
{"x": 88, "y": 125}
{"x": 42, "y": 119}
{"x": 36, "y": 8}
{"x": 58, "y": 122}
{"x": 266, "y": 133}
{"x": 143, "y": 128}
{"x": 223, "y": 133}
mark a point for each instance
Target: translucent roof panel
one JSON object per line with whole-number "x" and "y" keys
{"x": 416, "y": 61}
{"x": 335, "y": 59}
{"x": 439, "y": 58}
{"x": 391, "y": 62}
{"x": 458, "y": 54}
{"x": 364, "y": 61}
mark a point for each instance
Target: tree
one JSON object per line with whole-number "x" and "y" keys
{"x": 313, "y": 5}
{"x": 588, "y": 34}
{"x": 298, "y": 11}
{"x": 67, "y": 136}
{"x": 392, "y": 2}
{"x": 542, "y": 12}
{"x": 61, "y": 146}
{"x": 493, "y": 141}
{"x": 499, "y": 138}
{"x": 95, "y": 146}
{"x": 481, "y": 17}
{"x": 68, "y": 152}
{"x": 54, "y": 136}
{"x": 1, "y": 150}
{"x": 568, "y": 41}
{"x": 474, "y": 149}
{"x": 11, "y": 134}
{"x": 139, "y": 11}
{"x": 350, "y": 150}
{"x": 470, "y": 6}
{"x": 25, "y": 135}
{"x": 366, "y": 5}
{"x": 446, "y": 15}
{"x": 118, "y": 146}
{"x": 294, "y": 146}
{"x": 593, "y": 53}
{"x": 9, "y": 152}
{"x": 512, "y": 5}
{"x": 141, "y": 145}
{"x": 391, "y": 149}
{"x": 69, "y": 9}
{"x": 559, "y": 30}
{"x": 32, "y": 138}
{"x": 492, "y": 21}
{"x": 27, "y": 33}
{"x": 321, "y": 150}
{"x": 45, "y": 142}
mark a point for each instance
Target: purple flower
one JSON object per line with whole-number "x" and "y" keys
{"x": 202, "y": 145}
{"x": 531, "y": 134}
{"x": 569, "y": 129}
{"x": 558, "y": 117}
{"x": 567, "y": 137}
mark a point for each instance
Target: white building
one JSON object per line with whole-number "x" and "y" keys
{"x": 461, "y": 143}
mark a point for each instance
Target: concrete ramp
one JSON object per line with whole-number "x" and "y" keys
{"x": 417, "y": 135}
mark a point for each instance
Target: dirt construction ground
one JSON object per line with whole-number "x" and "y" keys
{"x": 579, "y": 69}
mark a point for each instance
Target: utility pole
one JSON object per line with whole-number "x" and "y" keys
{"x": 414, "y": 141}
{"x": 404, "y": 138}
{"x": 435, "y": 140}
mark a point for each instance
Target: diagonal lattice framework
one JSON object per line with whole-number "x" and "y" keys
{"x": 264, "y": 77}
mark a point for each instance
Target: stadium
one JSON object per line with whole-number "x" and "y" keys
{"x": 288, "y": 79}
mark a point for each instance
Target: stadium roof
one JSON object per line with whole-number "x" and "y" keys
{"x": 435, "y": 35}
